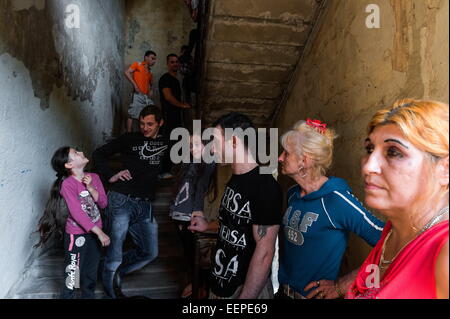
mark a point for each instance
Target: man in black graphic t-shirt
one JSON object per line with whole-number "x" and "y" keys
{"x": 130, "y": 194}
{"x": 249, "y": 218}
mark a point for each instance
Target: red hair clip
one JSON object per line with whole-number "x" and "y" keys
{"x": 318, "y": 125}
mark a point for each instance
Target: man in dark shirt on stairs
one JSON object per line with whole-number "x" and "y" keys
{"x": 130, "y": 195}
{"x": 171, "y": 104}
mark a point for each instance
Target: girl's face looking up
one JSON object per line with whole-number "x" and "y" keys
{"x": 76, "y": 159}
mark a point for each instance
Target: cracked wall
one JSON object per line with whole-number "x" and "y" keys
{"x": 351, "y": 71}
{"x": 58, "y": 86}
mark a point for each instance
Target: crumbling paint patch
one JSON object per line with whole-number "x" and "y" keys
{"x": 400, "y": 58}
{"x": 133, "y": 28}
{"x": 58, "y": 57}
{"x": 19, "y": 37}
{"x": 415, "y": 80}
{"x": 171, "y": 38}
{"x": 144, "y": 46}
{"x": 434, "y": 4}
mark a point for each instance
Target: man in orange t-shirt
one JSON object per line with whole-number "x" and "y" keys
{"x": 139, "y": 74}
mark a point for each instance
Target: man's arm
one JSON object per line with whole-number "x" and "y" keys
{"x": 261, "y": 262}
{"x": 200, "y": 224}
{"x": 172, "y": 100}
{"x": 194, "y": 15}
{"x": 129, "y": 75}
{"x": 102, "y": 154}
{"x": 193, "y": 8}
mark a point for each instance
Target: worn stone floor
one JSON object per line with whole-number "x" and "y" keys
{"x": 161, "y": 279}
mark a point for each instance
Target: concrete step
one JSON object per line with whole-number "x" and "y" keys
{"x": 164, "y": 191}
{"x": 52, "y": 267}
{"x": 163, "y": 278}
{"x": 156, "y": 285}
{"x": 161, "y": 203}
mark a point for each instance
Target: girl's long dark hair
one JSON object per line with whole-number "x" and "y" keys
{"x": 55, "y": 213}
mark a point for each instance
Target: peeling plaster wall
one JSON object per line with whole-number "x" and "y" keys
{"x": 351, "y": 71}
{"x": 159, "y": 25}
{"x": 58, "y": 87}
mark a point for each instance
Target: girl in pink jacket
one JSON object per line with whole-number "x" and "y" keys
{"x": 83, "y": 195}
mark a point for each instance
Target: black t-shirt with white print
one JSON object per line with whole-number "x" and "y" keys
{"x": 142, "y": 156}
{"x": 249, "y": 199}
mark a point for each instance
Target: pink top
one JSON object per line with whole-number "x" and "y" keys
{"x": 411, "y": 274}
{"x": 83, "y": 211}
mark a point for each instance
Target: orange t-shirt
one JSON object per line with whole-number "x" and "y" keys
{"x": 142, "y": 76}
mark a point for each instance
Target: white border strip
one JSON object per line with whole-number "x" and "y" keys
{"x": 323, "y": 204}
{"x": 360, "y": 211}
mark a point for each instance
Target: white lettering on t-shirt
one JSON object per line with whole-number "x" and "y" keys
{"x": 231, "y": 201}
{"x": 307, "y": 221}
{"x": 230, "y": 270}
{"x": 151, "y": 151}
{"x": 293, "y": 230}
{"x": 232, "y": 236}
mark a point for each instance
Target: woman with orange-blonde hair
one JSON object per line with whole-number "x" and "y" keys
{"x": 406, "y": 171}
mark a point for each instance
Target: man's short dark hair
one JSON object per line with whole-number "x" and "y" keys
{"x": 235, "y": 120}
{"x": 149, "y": 52}
{"x": 151, "y": 110}
{"x": 170, "y": 56}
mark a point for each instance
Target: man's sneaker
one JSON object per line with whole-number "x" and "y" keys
{"x": 165, "y": 176}
{"x": 108, "y": 279}
{"x": 117, "y": 285}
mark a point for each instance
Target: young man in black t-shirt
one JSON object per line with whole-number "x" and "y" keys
{"x": 249, "y": 218}
{"x": 130, "y": 194}
{"x": 172, "y": 107}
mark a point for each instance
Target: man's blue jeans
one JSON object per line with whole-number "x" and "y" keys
{"x": 125, "y": 214}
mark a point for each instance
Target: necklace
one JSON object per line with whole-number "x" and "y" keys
{"x": 384, "y": 264}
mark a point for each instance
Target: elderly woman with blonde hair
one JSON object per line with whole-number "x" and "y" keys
{"x": 406, "y": 171}
{"x": 321, "y": 212}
